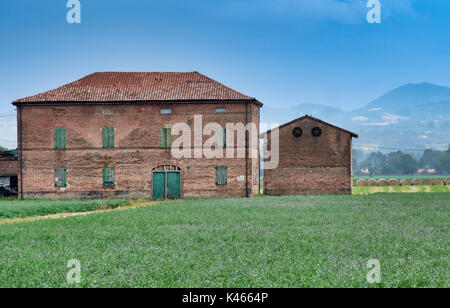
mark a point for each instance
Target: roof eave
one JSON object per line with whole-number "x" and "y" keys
{"x": 20, "y": 102}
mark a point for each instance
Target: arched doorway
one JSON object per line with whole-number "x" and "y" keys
{"x": 166, "y": 182}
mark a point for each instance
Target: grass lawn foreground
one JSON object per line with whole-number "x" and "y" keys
{"x": 291, "y": 241}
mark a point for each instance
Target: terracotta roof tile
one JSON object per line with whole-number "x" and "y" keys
{"x": 127, "y": 86}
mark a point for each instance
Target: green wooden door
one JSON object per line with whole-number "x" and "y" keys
{"x": 173, "y": 185}
{"x": 159, "y": 185}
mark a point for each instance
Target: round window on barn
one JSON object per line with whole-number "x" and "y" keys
{"x": 297, "y": 132}
{"x": 316, "y": 132}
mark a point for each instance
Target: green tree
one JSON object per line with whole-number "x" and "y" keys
{"x": 429, "y": 159}
{"x": 3, "y": 149}
{"x": 443, "y": 164}
{"x": 375, "y": 163}
{"x": 402, "y": 163}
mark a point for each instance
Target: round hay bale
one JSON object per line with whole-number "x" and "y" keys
{"x": 371, "y": 182}
{"x": 427, "y": 181}
{"x": 361, "y": 182}
{"x": 439, "y": 182}
{"x": 416, "y": 182}
{"x": 447, "y": 182}
{"x": 406, "y": 182}
{"x": 382, "y": 182}
{"x": 393, "y": 182}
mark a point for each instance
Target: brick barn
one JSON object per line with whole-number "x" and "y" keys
{"x": 109, "y": 135}
{"x": 315, "y": 157}
{"x": 8, "y": 172}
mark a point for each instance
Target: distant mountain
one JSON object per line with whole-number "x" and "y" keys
{"x": 413, "y": 116}
{"x": 411, "y": 95}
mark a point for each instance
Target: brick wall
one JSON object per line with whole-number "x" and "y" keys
{"x": 137, "y": 150}
{"x": 311, "y": 165}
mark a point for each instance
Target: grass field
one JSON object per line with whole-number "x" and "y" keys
{"x": 364, "y": 190}
{"x": 13, "y": 208}
{"x": 298, "y": 241}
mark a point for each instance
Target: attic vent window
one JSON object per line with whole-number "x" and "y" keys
{"x": 316, "y": 132}
{"x": 297, "y": 132}
{"x": 221, "y": 110}
{"x": 166, "y": 111}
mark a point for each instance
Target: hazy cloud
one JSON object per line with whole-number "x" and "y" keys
{"x": 360, "y": 118}
{"x": 388, "y": 119}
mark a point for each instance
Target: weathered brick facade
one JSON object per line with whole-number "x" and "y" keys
{"x": 308, "y": 164}
{"x": 137, "y": 150}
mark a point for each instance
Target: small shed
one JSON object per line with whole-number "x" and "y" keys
{"x": 315, "y": 157}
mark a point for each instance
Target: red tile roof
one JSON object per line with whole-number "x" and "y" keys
{"x": 9, "y": 167}
{"x": 125, "y": 86}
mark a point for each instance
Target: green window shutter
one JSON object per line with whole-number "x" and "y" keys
{"x": 60, "y": 137}
{"x": 108, "y": 177}
{"x": 108, "y": 137}
{"x": 63, "y": 177}
{"x": 221, "y": 139}
{"x": 111, "y": 175}
{"x": 224, "y": 137}
{"x": 60, "y": 177}
{"x": 56, "y": 136}
{"x": 224, "y": 179}
{"x": 111, "y": 137}
{"x": 168, "y": 137}
{"x": 56, "y": 177}
{"x": 163, "y": 138}
{"x": 104, "y": 137}
{"x": 221, "y": 175}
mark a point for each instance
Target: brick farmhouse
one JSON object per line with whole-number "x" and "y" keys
{"x": 315, "y": 157}
{"x": 110, "y": 134}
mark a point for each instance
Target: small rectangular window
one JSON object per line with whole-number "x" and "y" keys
{"x": 108, "y": 177}
{"x": 60, "y": 177}
{"x": 108, "y": 111}
{"x": 166, "y": 137}
{"x": 60, "y": 137}
{"x": 166, "y": 111}
{"x": 108, "y": 137}
{"x": 221, "y": 175}
{"x": 221, "y": 110}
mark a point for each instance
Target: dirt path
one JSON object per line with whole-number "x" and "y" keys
{"x": 67, "y": 215}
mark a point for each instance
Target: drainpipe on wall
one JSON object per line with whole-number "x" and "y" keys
{"x": 259, "y": 153}
{"x": 20, "y": 135}
{"x": 246, "y": 151}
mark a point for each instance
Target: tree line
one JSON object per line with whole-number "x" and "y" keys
{"x": 400, "y": 163}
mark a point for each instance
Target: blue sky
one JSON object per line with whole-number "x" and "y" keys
{"x": 283, "y": 52}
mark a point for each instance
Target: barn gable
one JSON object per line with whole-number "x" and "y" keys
{"x": 315, "y": 157}
{"x": 308, "y": 117}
